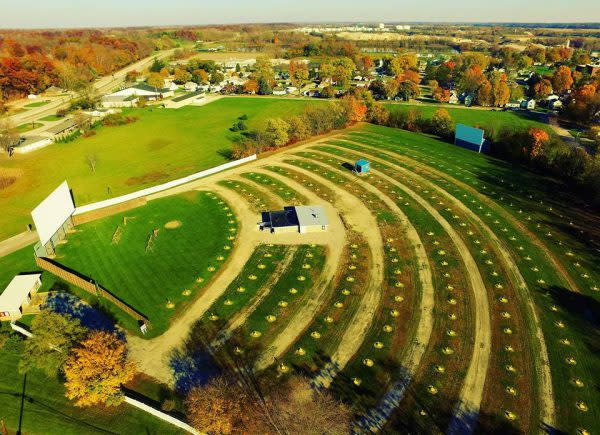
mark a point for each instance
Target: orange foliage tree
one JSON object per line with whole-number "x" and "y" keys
{"x": 441, "y": 94}
{"x": 538, "y": 138}
{"x": 96, "y": 369}
{"x": 356, "y": 109}
{"x": 562, "y": 80}
{"x": 220, "y": 406}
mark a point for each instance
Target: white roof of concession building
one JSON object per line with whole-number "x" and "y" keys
{"x": 311, "y": 215}
{"x": 13, "y": 296}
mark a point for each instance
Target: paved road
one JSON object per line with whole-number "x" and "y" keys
{"x": 102, "y": 86}
{"x": 17, "y": 242}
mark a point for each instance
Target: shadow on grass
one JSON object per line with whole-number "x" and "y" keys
{"x": 89, "y": 316}
{"x": 584, "y": 313}
{"x": 98, "y": 285}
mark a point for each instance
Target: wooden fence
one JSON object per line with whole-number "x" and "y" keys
{"x": 88, "y": 285}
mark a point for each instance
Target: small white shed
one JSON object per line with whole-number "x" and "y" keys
{"x": 17, "y": 296}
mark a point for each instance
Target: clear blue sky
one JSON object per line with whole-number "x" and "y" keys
{"x": 91, "y": 13}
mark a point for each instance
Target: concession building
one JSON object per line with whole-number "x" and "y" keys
{"x": 304, "y": 219}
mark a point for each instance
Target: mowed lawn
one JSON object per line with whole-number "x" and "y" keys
{"x": 164, "y": 144}
{"x": 148, "y": 279}
{"x": 490, "y": 120}
{"x": 46, "y": 410}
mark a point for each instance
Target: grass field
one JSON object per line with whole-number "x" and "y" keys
{"x": 162, "y": 145}
{"x": 50, "y": 118}
{"x": 490, "y": 120}
{"x": 23, "y": 128}
{"x": 115, "y": 254}
{"x": 36, "y": 104}
{"x": 46, "y": 410}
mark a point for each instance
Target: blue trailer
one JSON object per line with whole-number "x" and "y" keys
{"x": 362, "y": 166}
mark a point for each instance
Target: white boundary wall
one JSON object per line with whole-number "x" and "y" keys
{"x": 161, "y": 187}
{"x": 159, "y": 414}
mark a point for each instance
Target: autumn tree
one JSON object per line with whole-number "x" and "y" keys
{"x": 356, "y": 109}
{"x": 584, "y": 104}
{"x": 298, "y": 71}
{"x": 299, "y": 408}
{"x": 408, "y": 90}
{"x": 275, "y": 133}
{"x": 410, "y": 76}
{"x": 440, "y": 94}
{"x": 391, "y": 88}
{"x": 364, "y": 64}
{"x": 155, "y": 80}
{"x": 201, "y": 76}
{"x": 471, "y": 80}
{"x": 326, "y": 71}
{"x": 484, "y": 93}
{"x": 132, "y": 76}
{"x": 53, "y": 337}
{"x": 96, "y": 369}
{"x": 542, "y": 89}
{"x": 343, "y": 71}
{"x": 216, "y": 77}
{"x": 399, "y": 64}
{"x": 251, "y": 86}
{"x": 181, "y": 76}
{"x": 537, "y": 139}
{"x": 500, "y": 89}
{"x": 378, "y": 114}
{"x": 562, "y": 80}
{"x": 219, "y": 407}
{"x": 298, "y": 128}
{"x": 442, "y": 123}
{"x": 263, "y": 69}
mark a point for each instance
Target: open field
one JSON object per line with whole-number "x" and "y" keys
{"x": 45, "y": 409}
{"x": 162, "y": 145}
{"x": 451, "y": 291}
{"x": 490, "y": 120}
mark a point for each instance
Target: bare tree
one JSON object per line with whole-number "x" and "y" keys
{"x": 91, "y": 161}
{"x": 9, "y": 135}
{"x": 82, "y": 120}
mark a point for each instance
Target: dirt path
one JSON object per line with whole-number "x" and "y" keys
{"x": 17, "y": 242}
{"x": 472, "y": 390}
{"x": 336, "y": 235}
{"x": 152, "y": 356}
{"x": 418, "y": 344}
{"x": 361, "y": 220}
{"x": 545, "y": 393}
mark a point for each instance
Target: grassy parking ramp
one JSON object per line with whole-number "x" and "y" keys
{"x": 155, "y": 258}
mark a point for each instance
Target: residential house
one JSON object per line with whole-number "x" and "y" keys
{"x": 453, "y": 97}
{"x": 190, "y": 86}
{"x": 144, "y": 90}
{"x": 528, "y": 104}
{"x": 119, "y": 101}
